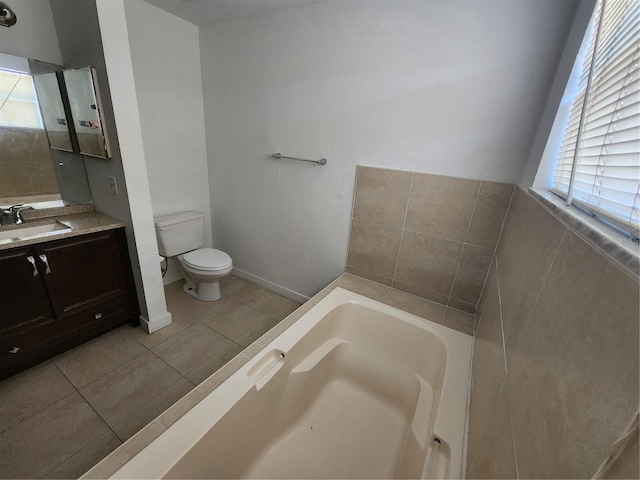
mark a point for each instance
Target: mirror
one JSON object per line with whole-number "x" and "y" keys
{"x": 52, "y": 109}
{"x": 31, "y": 172}
{"x": 86, "y": 111}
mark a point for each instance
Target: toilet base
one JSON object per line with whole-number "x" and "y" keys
{"x": 204, "y": 291}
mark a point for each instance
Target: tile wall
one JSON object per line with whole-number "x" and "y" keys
{"x": 25, "y": 163}
{"x": 428, "y": 235}
{"x": 555, "y": 367}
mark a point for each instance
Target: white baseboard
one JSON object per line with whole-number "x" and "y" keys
{"x": 275, "y": 288}
{"x": 157, "y": 323}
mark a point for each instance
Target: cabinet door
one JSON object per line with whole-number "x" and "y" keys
{"x": 23, "y": 297}
{"x": 82, "y": 272}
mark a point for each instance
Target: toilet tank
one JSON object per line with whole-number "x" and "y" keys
{"x": 179, "y": 233}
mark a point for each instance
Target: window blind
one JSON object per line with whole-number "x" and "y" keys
{"x": 598, "y": 165}
{"x": 18, "y": 101}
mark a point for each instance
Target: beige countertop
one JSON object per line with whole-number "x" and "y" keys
{"x": 79, "y": 223}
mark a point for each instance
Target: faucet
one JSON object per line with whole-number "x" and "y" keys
{"x": 13, "y": 215}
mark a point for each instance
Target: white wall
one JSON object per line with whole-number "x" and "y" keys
{"x": 453, "y": 88}
{"x": 117, "y": 57}
{"x": 34, "y": 34}
{"x": 165, "y": 53}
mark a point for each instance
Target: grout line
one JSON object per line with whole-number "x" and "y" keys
{"x": 404, "y": 222}
{"x": 464, "y": 244}
{"x": 513, "y": 435}
{"x": 544, "y": 282}
{"x": 504, "y": 341}
{"x": 494, "y": 407}
{"x": 475, "y": 204}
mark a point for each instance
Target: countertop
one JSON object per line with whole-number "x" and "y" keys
{"x": 80, "y": 223}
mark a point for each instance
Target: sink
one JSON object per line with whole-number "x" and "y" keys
{"x": 36, "y": 231}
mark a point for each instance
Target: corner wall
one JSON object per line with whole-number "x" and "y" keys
{"x": 165, "y": 54}
{"x": 448, "y": 88}
{"x": 555, "y": 366}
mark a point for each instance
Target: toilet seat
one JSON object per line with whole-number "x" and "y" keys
{"x": 207, "y": 260}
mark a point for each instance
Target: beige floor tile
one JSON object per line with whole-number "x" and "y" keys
{"x": 126, "y": 451}
{"x": 263, "y": 301}
{"x": 210, "y": 366}
{"x": 26, "y": 393}
{"x": 285, "y": 310}
{"x": 90, "y": 361}
{"x": 179, "y": 322}
{"x": 191, "y": 347}
{"x": 34, "y": 447}
{"x": 256, "y": 332}
{"x": 139, "y": 417}
{"x": 129, "y": 387}
{"x": 86, "y": 458}
{"x": 234, "y": 320}
{"x": 235, "y": 287}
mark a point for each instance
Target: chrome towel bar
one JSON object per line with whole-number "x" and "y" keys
{"x": 322, "y": 161}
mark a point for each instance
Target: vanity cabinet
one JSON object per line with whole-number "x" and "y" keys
{"x": 59, "y": 294}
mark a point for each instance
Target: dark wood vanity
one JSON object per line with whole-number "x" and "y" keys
{"x": 58, "y": 294}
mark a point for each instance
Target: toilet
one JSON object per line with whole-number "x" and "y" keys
{"x": 182, "y": 235}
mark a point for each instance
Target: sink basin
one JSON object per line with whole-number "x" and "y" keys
{"x": 36, "y": 231}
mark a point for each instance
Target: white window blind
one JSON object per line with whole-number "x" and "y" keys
{"x": 18, "y": 101}
{"x": 598, "y": 166}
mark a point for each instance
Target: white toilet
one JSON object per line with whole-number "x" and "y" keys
{"x": 182, "y": 235}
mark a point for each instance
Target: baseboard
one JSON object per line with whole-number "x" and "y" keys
{"x": 275, "y": 288}
{"x": 155, "y": 324}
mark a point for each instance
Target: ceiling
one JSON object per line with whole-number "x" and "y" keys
{"x": 208, "y": 12}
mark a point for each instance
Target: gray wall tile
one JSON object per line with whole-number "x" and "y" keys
{"x": 381, "y": 195}
{"x": 441, "y": 206}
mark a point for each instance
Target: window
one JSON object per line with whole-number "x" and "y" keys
{"x": 18, "y": 101}
{"x": 598, "y": 167}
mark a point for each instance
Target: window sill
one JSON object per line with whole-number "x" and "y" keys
{"x": 612, "y": 243}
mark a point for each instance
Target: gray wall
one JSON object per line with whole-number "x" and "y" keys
{"x": 81, "y": 45}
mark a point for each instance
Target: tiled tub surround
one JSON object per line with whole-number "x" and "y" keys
{"x": 429, "y": 235}
{"x": 26, "y": 168}
{"x": 419, "y": 306}
{"x": 555, "y": 368}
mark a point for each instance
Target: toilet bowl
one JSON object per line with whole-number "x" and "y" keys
{"x": 202, "y": 269}
{"x": 181, "y": 235}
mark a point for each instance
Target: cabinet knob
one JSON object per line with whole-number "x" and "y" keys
{"x": 14, "y": 350}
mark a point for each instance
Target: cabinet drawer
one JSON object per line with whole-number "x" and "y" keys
{"x": 23, "y": 347}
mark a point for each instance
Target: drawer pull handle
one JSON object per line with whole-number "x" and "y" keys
{"x": 98, "y": 316}
{"x": 44, "y": 259}
{"x": 32, "y": 261}
{"x": 14, "y": 350}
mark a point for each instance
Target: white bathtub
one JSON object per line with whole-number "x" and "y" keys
{"x": 353, "y": 389}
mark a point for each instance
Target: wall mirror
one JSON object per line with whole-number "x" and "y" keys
{"x": 53, "y": 112}
{"x": 86, "y": 110}
{"x": 30, "y": 171}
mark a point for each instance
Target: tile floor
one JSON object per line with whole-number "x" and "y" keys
{"x": 61, "y": 417}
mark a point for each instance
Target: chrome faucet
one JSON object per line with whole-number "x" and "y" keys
{"x": 13, "y": 215}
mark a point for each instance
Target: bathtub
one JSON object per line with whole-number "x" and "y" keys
{"x": 353, "y": 389}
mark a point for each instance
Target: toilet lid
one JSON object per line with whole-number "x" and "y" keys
{"x": 207, "y": 259}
